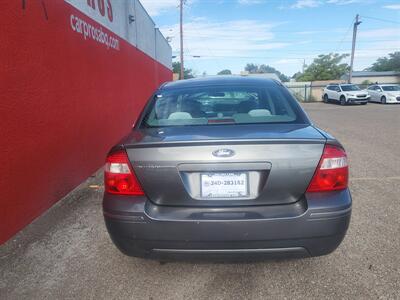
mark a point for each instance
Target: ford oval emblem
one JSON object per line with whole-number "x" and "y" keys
{"x": 223, "y": 153}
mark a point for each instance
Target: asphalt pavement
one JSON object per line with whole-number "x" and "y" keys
{"x": 67, "y": 253}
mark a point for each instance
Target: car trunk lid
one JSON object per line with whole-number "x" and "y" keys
{"x": 273, "y": 163}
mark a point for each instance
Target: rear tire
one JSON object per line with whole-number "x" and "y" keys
{"x": 326, "y": 99}
{"x": 383, "y": 100}
{"x": 342, "y": 100}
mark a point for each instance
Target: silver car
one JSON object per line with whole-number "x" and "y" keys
{"x": 384, "y": 93}
{"x": 226, "y": 167}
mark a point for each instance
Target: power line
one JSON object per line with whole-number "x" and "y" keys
{"x": 313, "y": 52}
{"x": 187, "y": 50}
{"x": 209, "y": 50}
{"x": 188, "y": 35}
{"x": 245, "y": 57}
{"x": 344, "y": 37}
{"x": 382, "y": 20}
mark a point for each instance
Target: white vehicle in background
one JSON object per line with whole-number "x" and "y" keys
{"x": 345, "y": 94}
{"x": 384, "y": 93}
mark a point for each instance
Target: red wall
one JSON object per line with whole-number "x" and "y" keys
{"x": 64, "y": 101}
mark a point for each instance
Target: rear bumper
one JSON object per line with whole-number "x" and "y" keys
{"x": 313, "y": 226}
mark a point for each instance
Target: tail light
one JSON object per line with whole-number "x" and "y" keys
{"x": 119, "y": 177}
{"x": 332, "y": 172}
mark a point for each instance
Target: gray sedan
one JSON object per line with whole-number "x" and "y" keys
{"x": 226, "y": 167}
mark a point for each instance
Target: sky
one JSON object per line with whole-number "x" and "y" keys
{"x": 228, "y": 34}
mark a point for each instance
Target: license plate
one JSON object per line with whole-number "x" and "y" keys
{"x": 224, "y": 185}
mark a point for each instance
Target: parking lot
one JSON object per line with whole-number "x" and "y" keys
{"x": 67, "y": 252}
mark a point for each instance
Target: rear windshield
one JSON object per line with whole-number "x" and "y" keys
{"x": 223, "y": 105}
{"x": 350, "y": 87}
{"x": 392, "y": 88}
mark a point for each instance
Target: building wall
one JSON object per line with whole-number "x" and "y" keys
{"x": 145, "y": 36}
{"x": 73, "y": 81}
{"x": 379, "y": 79}
{"x": 163, "y": 49}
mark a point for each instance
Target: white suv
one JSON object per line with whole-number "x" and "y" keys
{"x": 345, "y": 94}
{"x": 384, "y": 93}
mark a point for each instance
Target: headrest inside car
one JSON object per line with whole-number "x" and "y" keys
{"x": 259, "y": 112}
{"x": 180, "y": 115}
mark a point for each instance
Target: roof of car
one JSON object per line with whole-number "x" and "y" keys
{"x": 219, "y": 80}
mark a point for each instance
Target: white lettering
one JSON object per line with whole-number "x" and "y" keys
{"x": 72, "y": 23}
{"x": 92, "y": 32}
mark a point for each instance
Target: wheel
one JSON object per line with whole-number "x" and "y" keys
{"x": 383, "y": 100}
{"x": 342, "y": 100}
{"x": 364, "y": 103}
{"x": 326, "y": 99}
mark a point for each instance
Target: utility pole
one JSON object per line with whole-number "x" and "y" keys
{"x": 181, "y": 37}
{"x": 353, "y": 47}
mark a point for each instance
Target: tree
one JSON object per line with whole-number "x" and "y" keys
{"x": 297, "y": 75}
{"x": 391, "y": 63}
{"x": 187, "y": 73}
{"x": 325, "y": 67}
{"x": 269, "y": 69}
{"x": 365, "y": 83}
{"x": 261, "y": 69}
{"x": 251, "y": 68}
{"x": 225, "y": 72}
